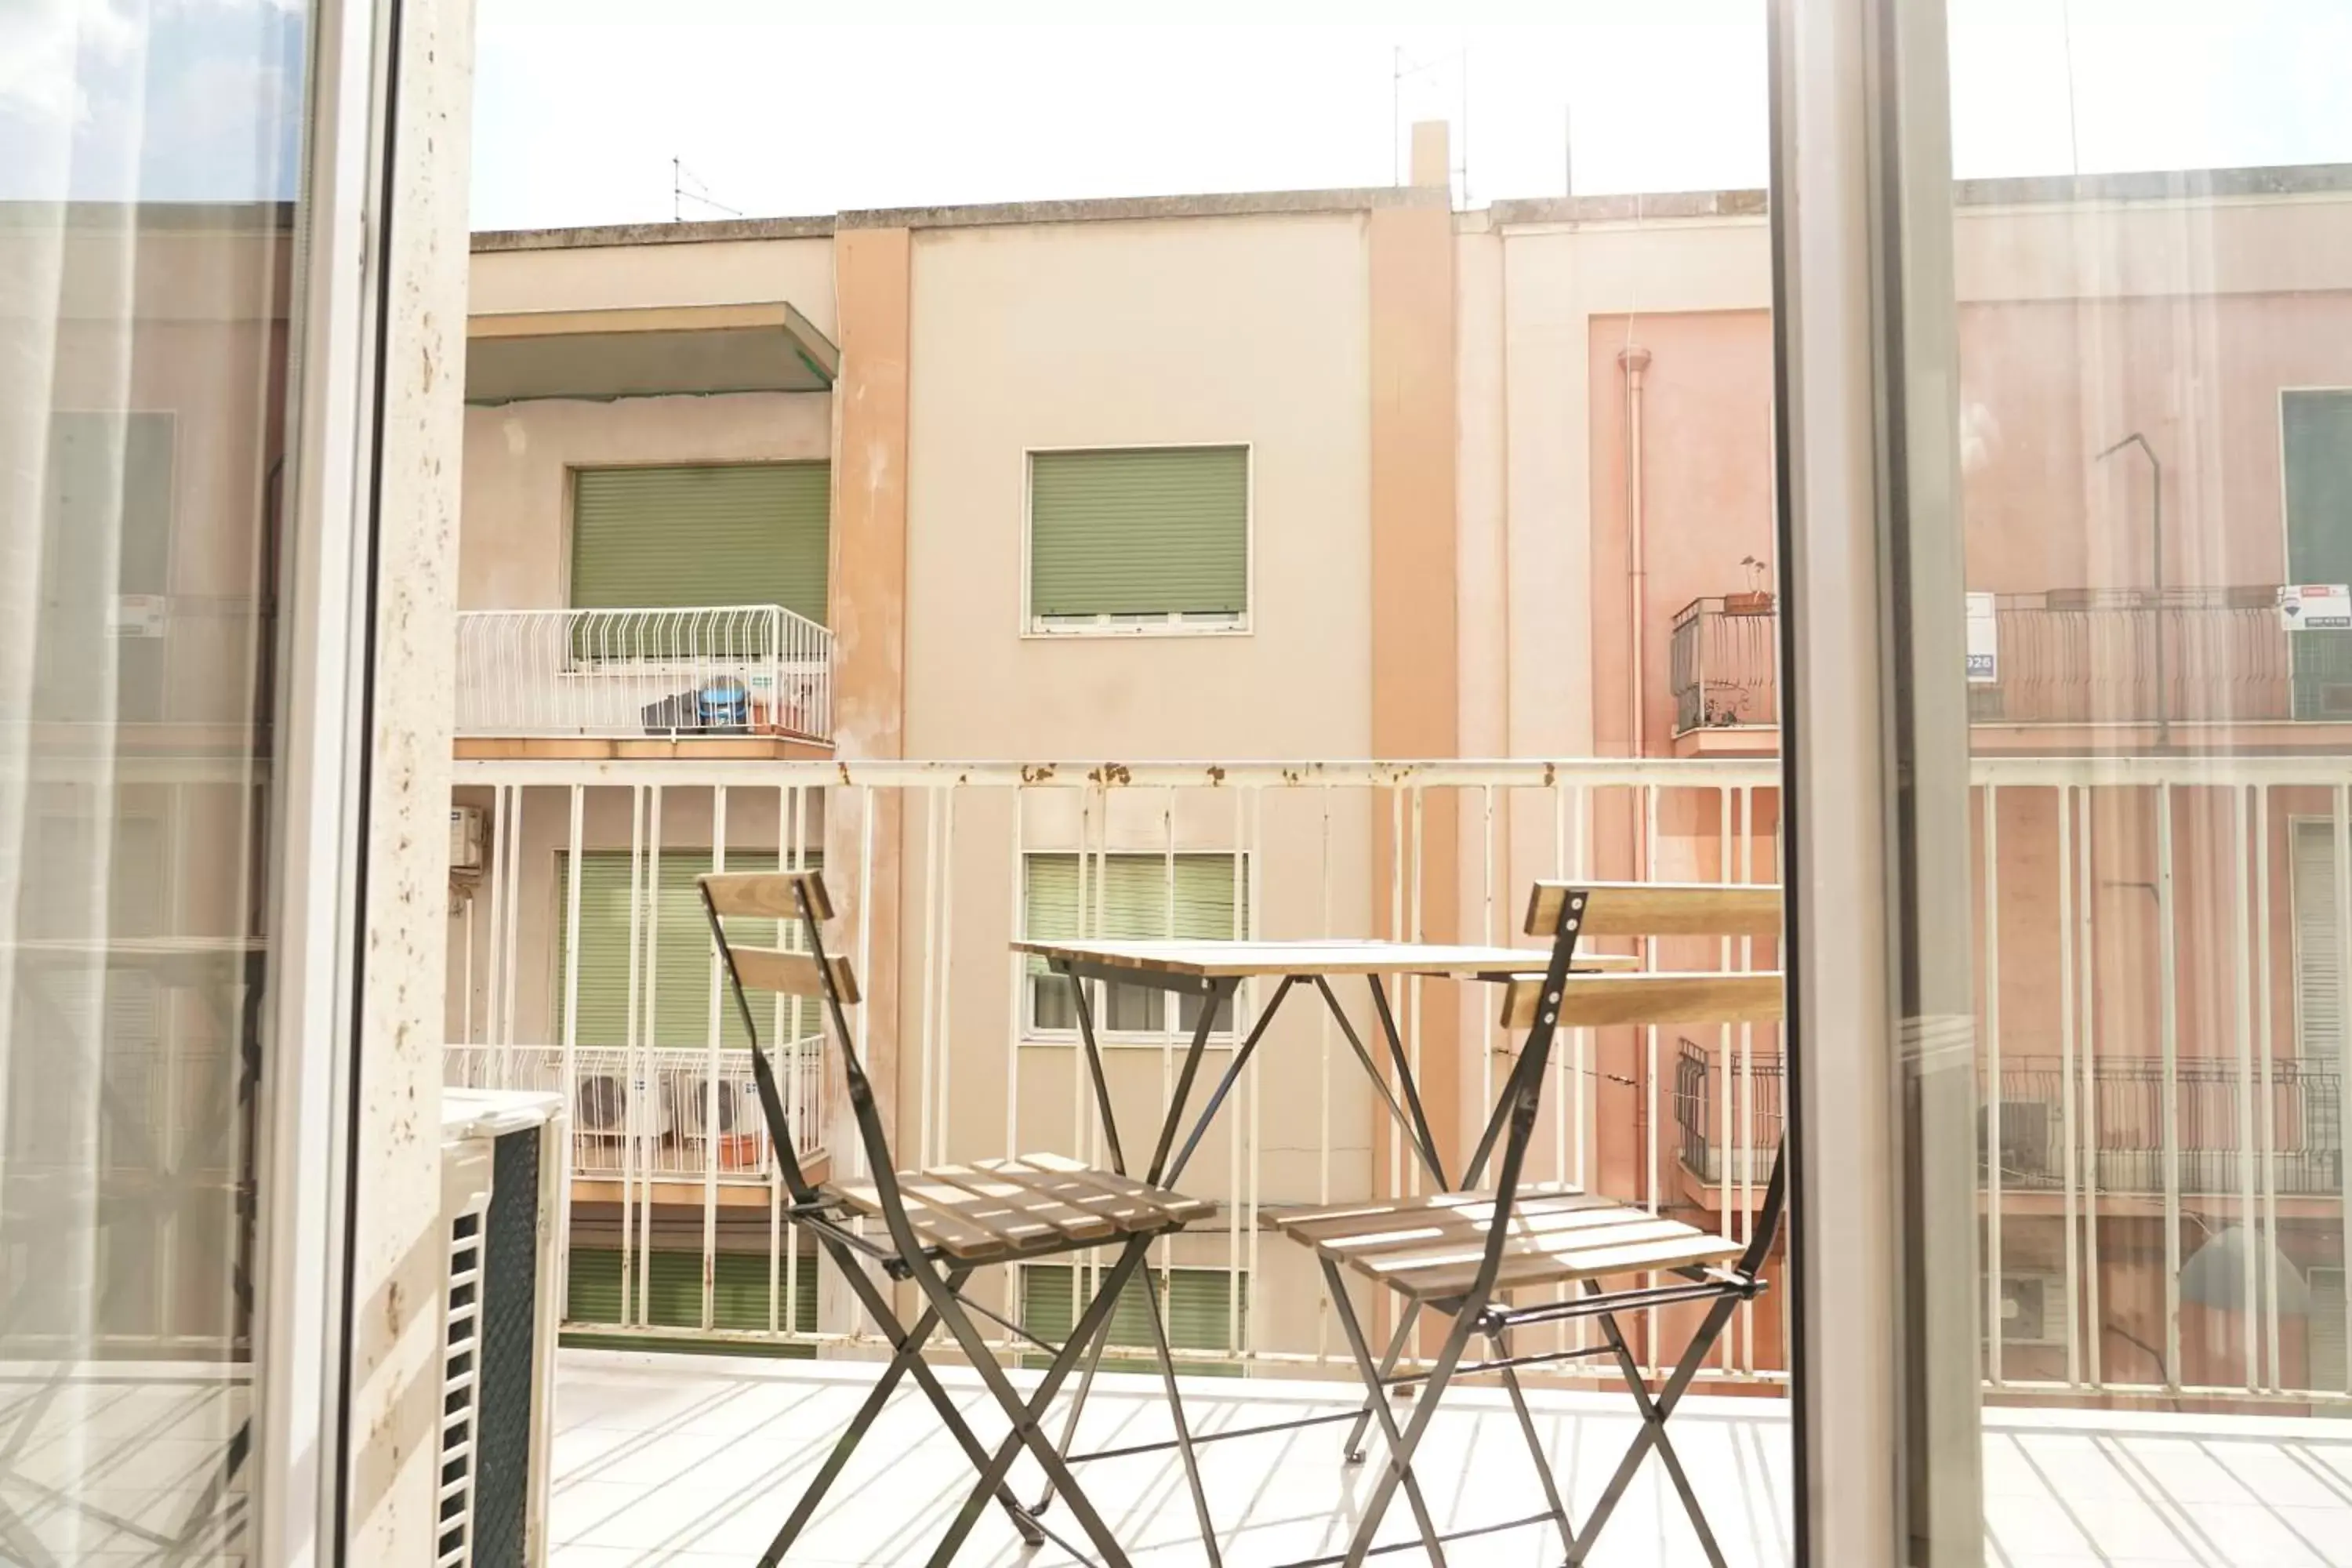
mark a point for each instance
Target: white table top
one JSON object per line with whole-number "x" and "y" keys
{"x": 1239, "y": 960}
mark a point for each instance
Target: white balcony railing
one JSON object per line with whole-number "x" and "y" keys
{"x": 737, "y": 669}
{"x": 667, "y": 1114}
{"x": 2163, "y": 1181}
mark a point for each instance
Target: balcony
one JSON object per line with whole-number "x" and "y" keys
{"x": 2113, "y": 1115}
{"x": 683, "y": 1126}
{"x": 2195, "y": 656}
{"x": 753, "y": 679}
{"x": 1342, "y": 848}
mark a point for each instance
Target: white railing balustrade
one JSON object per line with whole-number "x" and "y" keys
{"x": 2160, "y": 1044}
{"x": 740, "y": 669}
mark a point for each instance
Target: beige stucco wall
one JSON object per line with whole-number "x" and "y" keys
{"x": 620, "y": 277}
{"x": 1241, "y": 330}
{"x": 515, "y": 550}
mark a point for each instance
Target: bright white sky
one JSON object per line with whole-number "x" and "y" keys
{"x": 777, "y": 110}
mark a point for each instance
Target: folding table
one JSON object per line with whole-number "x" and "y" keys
{"x": 1213, "y": 971}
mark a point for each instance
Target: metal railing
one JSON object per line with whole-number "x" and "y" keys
{"x": 1725, "y": 664}
{"x": 2121, "y": 1141}
{"x": 741, "y": 669}
{"x": 2175, "y": 1120}
{"x": 668, "y": 1114}
{"x": 2084, "y": 656}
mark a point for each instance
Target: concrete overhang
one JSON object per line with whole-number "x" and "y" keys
{"x": 660, "y": 351}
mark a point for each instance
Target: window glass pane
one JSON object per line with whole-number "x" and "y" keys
{"x": 148, "y": 161}
{"x": 2150, "y": 516}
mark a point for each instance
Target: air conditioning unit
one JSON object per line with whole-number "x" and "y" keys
{"x": 465, "y": 840}
{"x": 2029, "y": 1134}
{"x": 502, "y": 1195}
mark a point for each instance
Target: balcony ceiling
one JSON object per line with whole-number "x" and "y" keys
{"x": 651, "y": 352}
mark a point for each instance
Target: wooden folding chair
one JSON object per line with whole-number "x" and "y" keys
{"x": 942, "y": 1225}
{"x": 1457, "y": 1253}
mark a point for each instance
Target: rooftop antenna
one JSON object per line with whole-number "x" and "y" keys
{"x": 1567, "y": 149}
{"x": 686, "y": 186}
{"x": 1397, "y": 71}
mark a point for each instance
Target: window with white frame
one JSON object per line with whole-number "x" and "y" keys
{"x": 1192, "y": 896}
{"x": 1137, "y": 539}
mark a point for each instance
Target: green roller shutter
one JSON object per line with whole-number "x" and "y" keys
{"x": 739, "y": 1289}
{"x": 1140, "y": 532}
{"x": 1132, "y": 893}
{"x": 748, "y": 533}
{"x": 681, "y": 956}
{"x": 1197, "y": 1304}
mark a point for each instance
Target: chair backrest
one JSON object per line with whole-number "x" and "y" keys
{"x": 1669, "y": 909}
{"x": 1598, "y": 1001}
{"x": 1570, "y": 911}
{"x": 1661, "y": 909}
{"x": 781, "y": 895}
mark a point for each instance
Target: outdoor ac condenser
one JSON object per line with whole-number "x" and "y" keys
{"x": 502, "y": 1164}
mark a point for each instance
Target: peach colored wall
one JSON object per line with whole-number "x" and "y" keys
{"x": 2056, "y": 382}
{"x": 613, "y": 277}
{"x": 514, "y": 551}
{"x": 1209, "y": 330}
{"x": 1415, "y": 656}
{"x": 1707, "y": 483}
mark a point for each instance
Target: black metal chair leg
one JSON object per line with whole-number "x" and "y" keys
{"x": 1653, "y": 1434}
{"x": 1025, "y": 1415}
{"x": 1355, "y": 1448}
{"x": 1535, "y": 1445}
{"x": 908, "y": 1357}
{"x": 1183, "y": 1431}
{"x": 1400, "y": 1468}
{"x": 1077, "y": 1402}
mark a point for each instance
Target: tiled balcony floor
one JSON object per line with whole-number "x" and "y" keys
{"x": 696, "y": 1461}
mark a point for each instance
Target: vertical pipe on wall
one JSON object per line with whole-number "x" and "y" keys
{"x": 2069, "y": 1167}
{"x": 1994, "y": 1321}
{"x": 2086, "y": 1033}
{"x": 2241, "y": 925}
{"x": 1633, "y": 361}
{"x": 2167, "y": 1007}
{"x": 2269, "y": 1229}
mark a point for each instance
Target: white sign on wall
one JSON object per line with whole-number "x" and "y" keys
{"x": 1984, "y": 641}
{"x": 2315, "y": 607}
{"x": 138, "y": 615}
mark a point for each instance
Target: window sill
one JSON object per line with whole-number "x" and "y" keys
{"x": 1041, "y": 631}
{"x": 1128, "y": 1040}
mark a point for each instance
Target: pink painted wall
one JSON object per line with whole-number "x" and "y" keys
{"x": 1707, "y": 471}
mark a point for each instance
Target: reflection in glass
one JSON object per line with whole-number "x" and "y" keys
{"x": 146, "y": 160}
{"x": 2156, "y": 443}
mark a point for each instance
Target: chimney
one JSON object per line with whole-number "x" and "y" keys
{"x": 1431, "y": 165}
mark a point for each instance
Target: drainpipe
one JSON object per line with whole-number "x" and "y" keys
{"x": 1633, "y": 361}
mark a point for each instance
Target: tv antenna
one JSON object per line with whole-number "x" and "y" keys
{"x": 686, "y": 186}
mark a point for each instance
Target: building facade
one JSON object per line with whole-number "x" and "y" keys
{"x": 1261, "y": 485}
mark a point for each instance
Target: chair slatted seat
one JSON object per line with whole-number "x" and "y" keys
{"x": 1001, "y": 1209}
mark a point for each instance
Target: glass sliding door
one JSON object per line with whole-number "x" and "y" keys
{"x": 2069, "y": 458}
{"x": 158, "y": 419}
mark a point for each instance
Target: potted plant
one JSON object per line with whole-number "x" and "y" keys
{"x": 1757, "y": 598}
